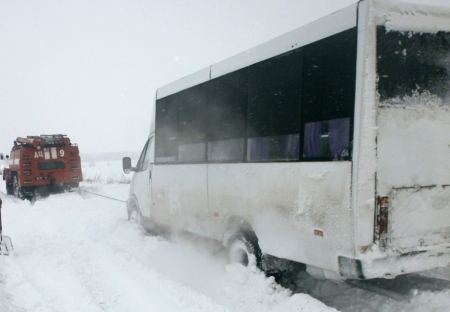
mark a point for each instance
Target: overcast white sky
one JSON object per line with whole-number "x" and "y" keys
{"x": 89, "y": 69}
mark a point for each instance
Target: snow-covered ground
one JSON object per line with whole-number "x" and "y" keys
{"x": 80, "y": 253}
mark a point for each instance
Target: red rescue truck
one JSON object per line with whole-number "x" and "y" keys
{"x": 40, "y": 165}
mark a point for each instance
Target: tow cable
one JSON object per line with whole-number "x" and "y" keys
{"x": 80, "y": 190}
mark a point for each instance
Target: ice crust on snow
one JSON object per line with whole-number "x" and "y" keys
{"x": 400, "y": 16}
{"x": 404, "y": 15}
{"x": 418, "y": 100}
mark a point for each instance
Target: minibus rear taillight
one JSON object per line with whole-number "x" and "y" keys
{"x": 381, "y": 227}
{"x": 383, "y": 221}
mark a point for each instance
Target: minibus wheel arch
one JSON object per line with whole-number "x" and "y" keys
{"x": 235, "y": 225}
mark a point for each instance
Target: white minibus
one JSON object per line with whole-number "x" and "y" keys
{"x": 327, "y": 146}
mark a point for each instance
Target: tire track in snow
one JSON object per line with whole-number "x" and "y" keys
{"x": 81, "y": 254}
{"x": 74, "y": 261}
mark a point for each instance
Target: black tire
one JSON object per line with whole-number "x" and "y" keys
{"x": 9, "y": 189}
{"x": 72, "y": 187}
{"x": 42, "y": 191}
{"x": 16, "y": 187}
{"x": 244, "y": 249}
{"x": 134, "y": 213}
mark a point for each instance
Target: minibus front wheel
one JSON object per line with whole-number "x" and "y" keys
{"x": 134, "y": 213}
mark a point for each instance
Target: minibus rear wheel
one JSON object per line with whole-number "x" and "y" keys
{"x": 244, "y": 249}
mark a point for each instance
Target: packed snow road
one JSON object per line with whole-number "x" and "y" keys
{"x": 81, "y": 254}
{"x": 75, "y": 253}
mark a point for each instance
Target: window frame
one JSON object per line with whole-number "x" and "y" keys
{"x": 344, "y": 101}
{"x": 141, "y": 164}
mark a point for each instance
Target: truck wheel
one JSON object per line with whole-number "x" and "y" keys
{"x": 16, "y": 187}
{"x": 244, "y": 249}
{"x": 9, "y": 189}
{"x": 42, "y": 191}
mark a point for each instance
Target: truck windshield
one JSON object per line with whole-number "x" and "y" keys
{"x": 411, "y": 64}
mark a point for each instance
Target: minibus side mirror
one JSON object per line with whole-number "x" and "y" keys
{"x": 126, "y": 165}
